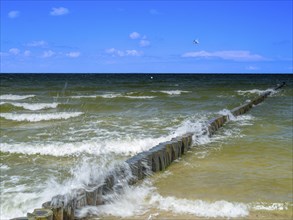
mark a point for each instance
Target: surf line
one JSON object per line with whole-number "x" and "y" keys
{"x": 136, "y": 168}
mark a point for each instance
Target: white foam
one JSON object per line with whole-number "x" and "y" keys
{"x": 114, "y": 95}
{"x": 19, "y": 199}
{"x": 137, "y": 200}
{"x": 4, "y": 167}
{"x": 32, "y": 106}
{"x": 174, "y": 92}
{"x": 121, "y": 144}
{"x": 255, "y": 91}
{"x": 196, "y": 126}
{"x": 39, "y": 116}
{"x": 130, "y": 203}
{"x": 199, "y": 208}
{"x": 15, "y": 97}
{"x": 228, "y": 113}
{"x": 139, "y": 97}
{"x": 111, "y": 95}
{"x": 93, "y": 146}
{"x": 269, "y": 206}
{"x": 83, "y": 96}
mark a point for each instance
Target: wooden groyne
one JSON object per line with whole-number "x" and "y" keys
{"x": 136, "y": 168}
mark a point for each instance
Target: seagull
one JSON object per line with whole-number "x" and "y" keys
{"x": 196, "y": 41}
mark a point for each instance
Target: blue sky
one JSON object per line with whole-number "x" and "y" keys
{"x": 146, "y": 36}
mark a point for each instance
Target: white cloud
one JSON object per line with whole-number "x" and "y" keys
{"x": 252, "y": 68}
{"x": 236, "y": 55}
{"x": 115, "y": 52}
{"x": 133, "y": 53}
{"x": 13, "y": 14}
{"x": 59, "y": 11}
{"x": 134, "y": 35}
{"x": 73, "y": 54}
{"x": 144, "y": 43}
{"x": 40, "y": 43}
{"x": 14, "y": 51}
{"x": 27, "y": 53}
{"x": 48, "y": 53}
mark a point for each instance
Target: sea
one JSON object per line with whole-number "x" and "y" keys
{"x": 65, "y": 131}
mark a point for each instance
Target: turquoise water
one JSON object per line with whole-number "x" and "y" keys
{"x": 60, "y": 132}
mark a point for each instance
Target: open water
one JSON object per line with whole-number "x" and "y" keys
{"x": 60, "y": 132}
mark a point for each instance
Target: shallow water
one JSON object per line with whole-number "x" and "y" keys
{"x": 60, "y": 132}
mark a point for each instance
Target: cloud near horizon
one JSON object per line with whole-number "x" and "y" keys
{"x": 235, "y": 55}
{"x": 115, "y": 52}
{"x": 48, "y": 53}
{"x": 59, "y": 11}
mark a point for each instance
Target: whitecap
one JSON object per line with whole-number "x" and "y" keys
{"x": 255, "y": 91}
{"x": 83, "y": 96}
{"x": 15, "y": 97}
{"x": 139, "y": 97}
{"x": 127, "y": 147}
{"x": 39, "y": 116}
{"x": 32, "y": 106}
{"x": 228, "y": 113}
{"x": 174, "y": 92}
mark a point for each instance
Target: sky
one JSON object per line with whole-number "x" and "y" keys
{"x": 146, "y": 36}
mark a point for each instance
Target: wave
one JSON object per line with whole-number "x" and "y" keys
{"x": 255, "y": 91}
{"x": 131, "y": 95}
{"x": 174, "y": 92}
{"x": 138, "y": 200}
{"x": 92, "y": 147}
{"x": 139, "y": 97}
{"x": 32, "y": 106}
{"x": 200, "y": 208}
{"x": 15, "y": 97}
{"x": 118, "y": 144}
{"x": 39, "y": 116}
{"x": 113, "y": 96}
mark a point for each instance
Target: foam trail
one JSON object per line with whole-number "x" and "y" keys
{"x": 40, "y": 116}
{"x": 15, "y": 97}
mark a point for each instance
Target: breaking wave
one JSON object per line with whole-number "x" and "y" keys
{"x": 15, "y": 97}
{"x": 255, "y": 91}
{"x": 39, "y": 116}
{"x": 174, "y": 92}
{"x": 32, "y": 106}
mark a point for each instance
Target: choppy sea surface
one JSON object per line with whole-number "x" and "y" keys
{"x": 60, "y": 132}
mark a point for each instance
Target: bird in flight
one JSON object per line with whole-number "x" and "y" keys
{"x": 195, "y": 41}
